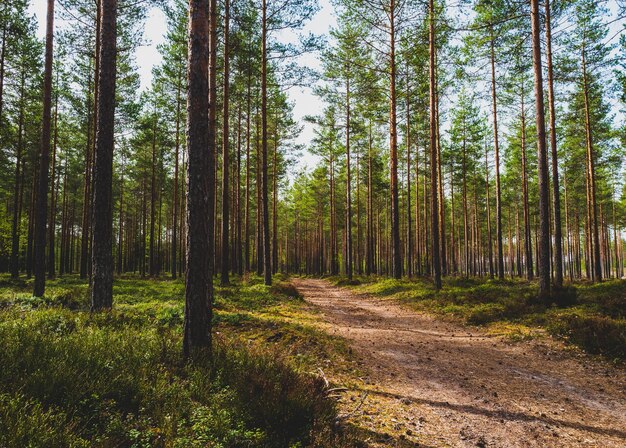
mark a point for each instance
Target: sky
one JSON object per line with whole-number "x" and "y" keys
{"x": 147, "y": 56}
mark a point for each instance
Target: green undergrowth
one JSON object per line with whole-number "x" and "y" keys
{"x": 71, "y": 378}
{"x": 591, "y": 316}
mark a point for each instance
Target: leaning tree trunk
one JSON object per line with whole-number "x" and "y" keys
{"x": 102, "y": 257}
{"x": 199, "y": 278}
{"x": 41, "y": 200}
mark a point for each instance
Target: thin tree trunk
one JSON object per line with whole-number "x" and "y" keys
{"x": 176, "y": 156}
{"x": 436, "y": 263}
{"x": 348, "y": 185}
{"x": 17, "y": 196}
{"x": 267, "y": 265}
{"x": 41, "y": 201}
{"x": 409, "y": 230}
{"x": 53, "y": 211}
{"x": 225, "y": 153}
{"x": 500, "y": 259}
{"x": 247, "y": 211}
{"x": 153, "y": 268}
{"x": 542, "y": 156}
{"x": 556, "y": 199}
{"x": 393, "y": 143}
{"x": 488, "y": 206}
{"x": 597, "y": 265}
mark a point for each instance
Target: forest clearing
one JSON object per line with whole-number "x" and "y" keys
{"x": 312, "y": 223}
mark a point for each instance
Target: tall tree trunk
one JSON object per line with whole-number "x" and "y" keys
{"x": 212, "y": 173}
{"x": 488, "y": 206}
{"x": 102, "y": 257}
{"x": 120, "y": 241}
{"x": 593, "y": 209}
{"x": 2, "y": 59}
{"x": 369, "y": 263}
{"x": 238, "y": 197}
{"x": 41, "y": 201}
{"x": 267, "y": 264}
{"x": 17, "y": 189}
{"x": 348, "y": 184}
{"x": 85, "y": 265}
{"x": 225, "y": 154}
{"x": 556, "y": 199}
{"x": 436, "y": 263}
{"x": 393, "y": 150}
{"x": 247, "y": 211}
{"x": 528, "y": 252}
{"x": 542, "y": 157}
{"x": 500, "y": 260}
{"x": 199, "y": 276}
{"x": 53, "y": 210}
{"x": 409, "y": 230}
{"x": 175, "y": 199}
{"x": 153, "y": 262}
{"x": 275, "y": 198}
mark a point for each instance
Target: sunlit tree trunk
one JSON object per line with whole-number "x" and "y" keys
{"x": 542, "y": 156}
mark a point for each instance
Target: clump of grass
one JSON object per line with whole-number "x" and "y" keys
{"x": 285, "y": 288}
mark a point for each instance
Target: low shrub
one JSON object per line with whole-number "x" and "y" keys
{"x": 594, "y": 333}
{"x": 285, "y": 288}
{"x": 76, "y": 379}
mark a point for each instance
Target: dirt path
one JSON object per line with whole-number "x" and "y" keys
{"x": 433, "y": 383}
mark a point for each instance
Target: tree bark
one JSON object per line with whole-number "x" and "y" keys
{"x": 102, "y": 257}
{"x": 225, "y": 265}
{"x": 556, "y": 199}
{"x": 436, "y": 262}
{"x": 15, "y": 230}
{"x": 393, "y": 149}
{"x": 594, "y": 255}
{"x": 267, "y": 264}
{"x": 500, "y": 260}
{"x": 175, "y": 199}
{"x": 53, "y": 211}
{"x": 41, "y": 200}
{"x": 348, "y": 184}
{"x": 199, "y": 278}
{"x": 542, "y": 156}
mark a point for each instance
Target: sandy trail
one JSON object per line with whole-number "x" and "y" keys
{"x": 434, "y": 383}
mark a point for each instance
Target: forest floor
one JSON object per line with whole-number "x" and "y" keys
{"x": 421, "y": 380}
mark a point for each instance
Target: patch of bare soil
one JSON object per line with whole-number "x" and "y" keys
{"x": 432, "y": 383}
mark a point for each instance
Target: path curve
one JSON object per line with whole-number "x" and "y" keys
{"x": 444, "y": 384}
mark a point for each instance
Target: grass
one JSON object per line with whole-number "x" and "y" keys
{"x": 70, "y": 378}
{"x": 591, "y": 316}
